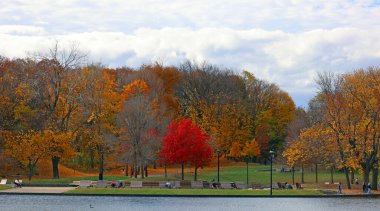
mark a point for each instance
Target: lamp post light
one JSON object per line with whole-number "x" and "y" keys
{"x": 271, "y": 154}
{"x": 218, "y": 151}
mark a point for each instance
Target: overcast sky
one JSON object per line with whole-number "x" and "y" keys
{"x": 286, "y": 42}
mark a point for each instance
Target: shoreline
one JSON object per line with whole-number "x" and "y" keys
{"x": 201, "y": 196}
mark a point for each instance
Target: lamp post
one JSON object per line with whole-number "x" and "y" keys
{"x": 218, "y": 151}
{"x": 271, "y": 154}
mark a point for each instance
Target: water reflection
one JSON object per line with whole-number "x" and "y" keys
{"x": 39, "y": 202}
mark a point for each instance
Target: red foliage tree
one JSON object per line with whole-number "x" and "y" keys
{"x": 184, "y": 144}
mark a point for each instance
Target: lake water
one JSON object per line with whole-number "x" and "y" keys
{"x": 43, "y": 202}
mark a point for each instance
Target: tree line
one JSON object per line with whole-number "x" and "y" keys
{"x": 341, "y": 128}
{"x": 56, "y": 106}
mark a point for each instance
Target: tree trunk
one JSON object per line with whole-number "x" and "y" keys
{"x": 146, "y": 170}
{"x": 195, "y": 173}
{"x": 55, "y": 161}
{"x": 92, "y": 155}
{"x": 166, "y": 174}
{"x": 101, "y": 163}
{"x": 183, "y": 171}
{"x": 155, "y": 164}
{"x": 293, "y": 174}
{"x": 31, "y": 169}
{"x": 136, "y": 170}
{"x": 302, "y": 175}
{"x": 332, "y": 175}
{"x": 367, "y": 171}
{"x": 316, "y": 173}
{"x": 126, "y": 170}
{"x": 375, "y": 174}
{"x": 347, "y": 178}
{"x": 142, "y": 171}
{"x": 352, "y": 176}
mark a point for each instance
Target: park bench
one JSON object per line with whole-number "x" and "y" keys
{"x": 85, "y": 183}
{"x": 275, "y": 186}
{"x": 240, "y": 185}
{"x": 281, "y": 185}
{"x": 151, "y": 184}
{"x": 206, "y": 184}
{"x": 75, "y": 183}
{"x": 177, "y": 184}
{"x": 102, "y": 184}
{"x": 136, "y": 184}
{"x": 3, "y": 182}
{"x": 256, "y": 185}
{"x": 184, "y": 184}
{"x": 197, "y": 184}
{"x": 226, "y": 185}
{"x": 163, "y": 184}
{"x": 167, "y": 184}
{"x": 298, "y": 185}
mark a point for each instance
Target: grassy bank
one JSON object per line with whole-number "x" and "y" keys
{"x": 2, "y": 187}
{"x": 156, "y": 191}
{"x": 256, "y": 173}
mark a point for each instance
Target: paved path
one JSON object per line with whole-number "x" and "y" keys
{"x": 37, "y": 190}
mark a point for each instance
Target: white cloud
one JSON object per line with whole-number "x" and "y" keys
{"x": 285, "y": 42}
{"x": 22, "y": 30}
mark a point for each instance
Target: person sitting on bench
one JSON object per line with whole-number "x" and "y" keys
{"x": 214, "y": 184}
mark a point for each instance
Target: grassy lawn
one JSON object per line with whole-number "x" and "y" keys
{"x": 257, "y": 173}
{"x": 156, "y": 191}
{"x": 2, "y": 187}
{"x": 261, "y": 174}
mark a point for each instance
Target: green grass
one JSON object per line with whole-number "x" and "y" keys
{"x": 257, "y": 173}
{"x": 3, "y": 187}
{"x": 156, "y": 191}
{"x": 261, "y": 174}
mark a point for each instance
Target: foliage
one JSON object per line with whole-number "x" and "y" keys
{"x": 186, "y": 143}
{"x": 345, "y": 130}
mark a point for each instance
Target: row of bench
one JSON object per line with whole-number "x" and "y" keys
{"x": 161, "y": 184}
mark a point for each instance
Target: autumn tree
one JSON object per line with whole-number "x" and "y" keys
{"x": 184, "y": 144}
{"x": 59, "y": 89}
{"x": 361, "y": 89}
{"x": 27, "y": 148}
{"x": 348, "y": 107}
{"x": 213, "y": 98}
{"x": 101, "y": 104}
{"x": 270, "y": 110}
{"x": 20, "y": 110}
{"x": 144, "y": 117}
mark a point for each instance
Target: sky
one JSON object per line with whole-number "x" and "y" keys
{"x": 287, "y": 42}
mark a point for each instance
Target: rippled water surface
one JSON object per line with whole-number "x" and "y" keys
{"x": 40, "y": 202}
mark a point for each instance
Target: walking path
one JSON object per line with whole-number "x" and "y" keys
{"x": 38, "y": 190}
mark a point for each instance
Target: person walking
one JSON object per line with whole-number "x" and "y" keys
{"x": 356, "y": 181}
{"x": 340, "y": 188}
{"x": 369, "y": 188}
